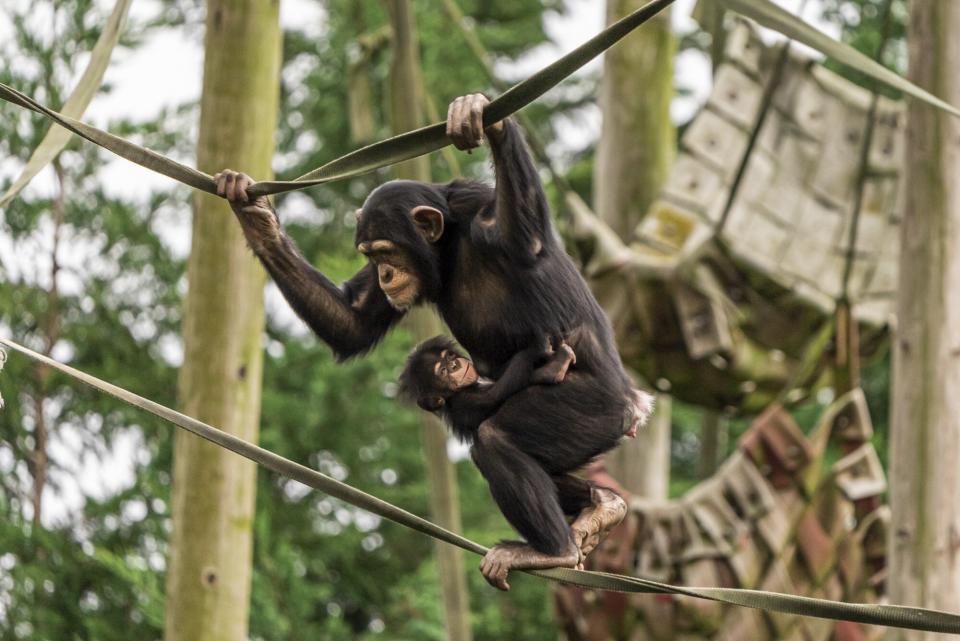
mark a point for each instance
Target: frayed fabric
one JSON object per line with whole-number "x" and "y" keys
{"x": 637, "y": 412}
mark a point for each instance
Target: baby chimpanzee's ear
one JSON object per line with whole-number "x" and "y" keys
{"x": 430, "y": 403}
{"x": 429, "y": 221}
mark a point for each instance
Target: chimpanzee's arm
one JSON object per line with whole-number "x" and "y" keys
{"x": 519, "y": 220}
{"x": 555, "y": 369}
{"x": 481, "y": 402}
{"x": 522, "y": 216}
{"x": 351, "y": 319}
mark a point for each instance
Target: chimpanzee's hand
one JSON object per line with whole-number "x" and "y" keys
{"x": 256, "y": 215}
{"x": 465, "y": 121}
{"x": 554, "y": 371}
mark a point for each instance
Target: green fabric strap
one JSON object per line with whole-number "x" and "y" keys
{"x": 87, "y": 87}
{"x": 381, "y": 154}
{"x": 891, "y": 615}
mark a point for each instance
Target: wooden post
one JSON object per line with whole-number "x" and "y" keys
{"x": 636, "y": 148}
{"x": 925, "y": 442}
{"x": 406, "y": 114}
{"x": 208, "y": 580}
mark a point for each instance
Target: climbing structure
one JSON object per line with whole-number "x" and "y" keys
{"x": 773, "y": 242}
{"x": 768, "y": 218}
{"x": 774, "y": 517}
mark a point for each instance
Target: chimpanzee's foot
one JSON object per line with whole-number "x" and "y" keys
{"x": 595, "y": 522}
{"x": 512, "y": 555}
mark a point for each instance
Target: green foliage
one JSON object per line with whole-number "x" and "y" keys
{"x": 95, "y": 572}
{"x": 866, "y": 25}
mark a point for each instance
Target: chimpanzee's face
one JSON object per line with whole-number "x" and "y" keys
{"x": 395, "y": 271}
{"x": 454, "y": 372}
{"x": 396, "y": 231}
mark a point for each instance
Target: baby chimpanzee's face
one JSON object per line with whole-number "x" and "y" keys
{"x": 454, "y": 372}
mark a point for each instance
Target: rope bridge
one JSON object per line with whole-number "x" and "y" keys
{"x": 423, "y": 141}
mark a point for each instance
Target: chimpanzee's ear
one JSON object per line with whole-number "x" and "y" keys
{"x": 430, "y": 403}
{"x": 429, "y": 221}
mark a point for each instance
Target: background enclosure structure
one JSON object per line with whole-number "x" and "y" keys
{"x": 774, "y": 517}
{"x": 726, "y": 294}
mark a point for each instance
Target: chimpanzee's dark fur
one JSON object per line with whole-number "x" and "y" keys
{"x": 466, "y": 408}
{"x": 501, "y": 280}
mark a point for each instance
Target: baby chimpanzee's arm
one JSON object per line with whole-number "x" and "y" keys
{"x": 555, "y": 370}
{"x": 480, "y": 403}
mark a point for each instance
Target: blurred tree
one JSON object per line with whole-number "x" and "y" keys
{"x": 406, "y": 102}
{"x": 84, "y": 275}
{"x": 208, "y": 583}
{"x": 863, "y": 24}
{"x": 925, "y": 434}
{"x": 636, "y": 147}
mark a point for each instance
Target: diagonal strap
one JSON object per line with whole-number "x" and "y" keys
{"x": 891, "y": 615}
{"x": 431, "y": 138}
{"x": 88, "y": 85}
{"x": 381, "y": 154}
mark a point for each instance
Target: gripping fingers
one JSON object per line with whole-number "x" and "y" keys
{"x": 465, "y": 121}
{"x": 477, "y": 103}
{"x": 464, "y": 130}
{"x": 243, "y": 181}
{"x": 221, "y": 180}
{"x": 495, "y": 572}
{"x": 453, "y": 132}
{"x": 496, "y": 576}
{"x": 231, "y": 186}
{"x": 455, "y": 124}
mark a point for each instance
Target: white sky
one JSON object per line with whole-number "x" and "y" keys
{"x": 166, "y": 71}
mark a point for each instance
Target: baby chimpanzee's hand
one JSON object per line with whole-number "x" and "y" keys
{"x": 555, "y": 369}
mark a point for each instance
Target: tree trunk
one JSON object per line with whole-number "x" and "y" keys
{"x": 208, "y": 582}
{"x": 710, "y": 429}
{"x": 406, "y": 103}
{"x": 637, "y": 145}
{"x": 638, "y": 141}
{"x": 642, "y": 465}
{"x": 925, "y": 440}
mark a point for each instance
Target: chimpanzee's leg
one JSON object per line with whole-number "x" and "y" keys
{"x": 575, "y": 493}
{"x": 526, "y": 495}
{"x": 597, "y": 510}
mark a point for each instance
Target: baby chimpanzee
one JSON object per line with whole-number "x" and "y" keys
{"x": 443, "y": 381}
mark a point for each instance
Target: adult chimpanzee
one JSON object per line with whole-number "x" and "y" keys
{"x": 489, "y": 260}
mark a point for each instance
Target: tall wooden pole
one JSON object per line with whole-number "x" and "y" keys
{"x": 925, "y": 445}
{"x": 406, "y": 104}
{"x": 208, "y": 579}
{"x": 637, "y": 145}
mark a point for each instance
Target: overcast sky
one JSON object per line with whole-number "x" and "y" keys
{"x": 166, "y": 71}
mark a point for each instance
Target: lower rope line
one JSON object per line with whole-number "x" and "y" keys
{"x": 889, "y": 615}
